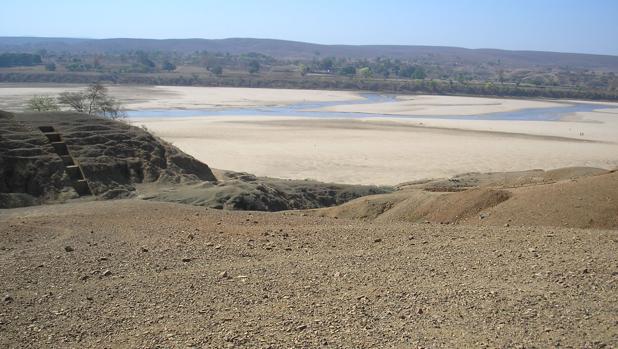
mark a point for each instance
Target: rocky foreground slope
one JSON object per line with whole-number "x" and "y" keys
{"x": 142, "y": 274}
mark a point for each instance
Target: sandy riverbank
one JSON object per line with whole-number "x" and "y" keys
{"x": 390, "y": 151}
{"x": 13, "y": 97}
{"x": 443, "y": 105}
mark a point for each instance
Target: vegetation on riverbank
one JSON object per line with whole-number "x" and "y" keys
{"x": 276, "y": 64}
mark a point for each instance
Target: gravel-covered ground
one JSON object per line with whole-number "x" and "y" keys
{"x": 132, "y": 273}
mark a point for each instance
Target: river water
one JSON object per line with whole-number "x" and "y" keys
{"x": 304, "y": 110}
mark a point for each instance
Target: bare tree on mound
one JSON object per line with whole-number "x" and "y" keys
{"x": 93, "y": 101}
{"x": 43, "y": 103}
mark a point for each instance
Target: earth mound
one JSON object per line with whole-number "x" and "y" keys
{"x": 45, "y": 157}
{"x": 572, "y": 197}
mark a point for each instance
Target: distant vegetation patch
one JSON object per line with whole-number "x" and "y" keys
{"x": 19, "y": 59}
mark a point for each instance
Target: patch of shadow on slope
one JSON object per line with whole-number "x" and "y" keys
{"x": 243, "y": 191}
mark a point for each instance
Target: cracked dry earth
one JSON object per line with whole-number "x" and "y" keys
{"x": 137, "y": 274}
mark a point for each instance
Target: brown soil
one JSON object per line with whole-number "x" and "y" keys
{"x": 132, "y": 273}
{"x": 570, "y": 197}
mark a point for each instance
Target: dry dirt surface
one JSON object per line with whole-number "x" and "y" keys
{"x": 581, "y": 197}
{"x": 139, "y": 274}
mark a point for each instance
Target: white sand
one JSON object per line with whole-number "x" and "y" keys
{"x": 442, "y": 105}
{"x": 212, "y": 97}
{"x": 386, "y": 151}
{"x": 14, "y": 96}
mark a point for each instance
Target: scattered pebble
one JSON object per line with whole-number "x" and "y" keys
{"x": 107, "y": 272}
{"x": 223, "y": 275}
{"x": 7, "y": 298}
{"x": 68, "y": 249}
{"x": 186, "y": 259}
{"x": 377, "y": 240}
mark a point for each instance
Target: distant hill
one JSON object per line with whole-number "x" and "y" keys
{"x": 300, "y": 50}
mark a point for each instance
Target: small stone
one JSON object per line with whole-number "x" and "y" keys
{"x": 190, "y": 236}
{"x": 107, "y": 273}
{"x": 218, "y": 247}
{"x": 186, "y": 259}
{"x": 419, "y": 311}
{"x": 301, "y": 327}
{"x": 84, "y": 277}
{"x": 531, "y": 250}
{"x": 377, "y": 240}
{"x": 144, "y": 249}
{"x": 507, "y": 225}
{"x": 68, "y": 249}
{"x": 337, "y": 274}
{"x": 7, "y": 298}
{"x": 585, "y": 271}
{"x": 223, "y": 275}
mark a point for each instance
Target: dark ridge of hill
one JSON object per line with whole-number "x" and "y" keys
{"x": 300, "y": 50}
{"x": 45, "y": 157}
{"x": 58, "y": 156}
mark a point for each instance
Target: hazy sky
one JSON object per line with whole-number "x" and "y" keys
{"x": 589, "y": 26}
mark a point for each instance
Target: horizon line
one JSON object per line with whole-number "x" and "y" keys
{"x": 302, "y": 42}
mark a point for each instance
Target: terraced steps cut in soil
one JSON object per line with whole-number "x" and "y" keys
{"x": 75, "y": 173}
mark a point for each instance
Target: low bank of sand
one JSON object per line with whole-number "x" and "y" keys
{"x": 13, "y": 97}
{"x": 443, "y": 105}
